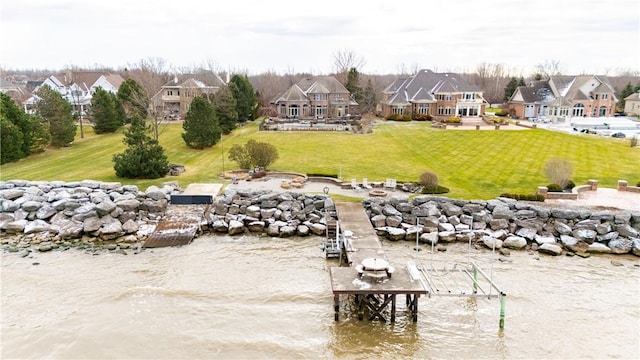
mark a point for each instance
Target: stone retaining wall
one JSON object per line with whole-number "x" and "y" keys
{"x": 48, "y": 215}
{"x": 506, "y": 223}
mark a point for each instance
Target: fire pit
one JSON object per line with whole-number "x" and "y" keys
{"x": 377, "y": 193}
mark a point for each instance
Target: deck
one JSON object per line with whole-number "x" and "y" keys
{"x": 373, "y": 296}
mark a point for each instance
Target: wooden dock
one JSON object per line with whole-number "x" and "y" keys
{"x": 181, "y": 221}
{"x": 178, "y": 227}
{"x": 375, "y": 296}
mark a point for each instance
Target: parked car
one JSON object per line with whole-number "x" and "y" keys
{"x": 618, "y": 135}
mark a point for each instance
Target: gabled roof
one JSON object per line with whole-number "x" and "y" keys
{"x": 329, "y": 82}
{"x": 424, "y": 84}
{"x": 633, "y": 97}
{"x": 317, "y": 88}
{"x": 294, "y": 93}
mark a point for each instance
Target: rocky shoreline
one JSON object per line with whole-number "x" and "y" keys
{"x": 97, "y": 216}
{"x": 506, "y": 224}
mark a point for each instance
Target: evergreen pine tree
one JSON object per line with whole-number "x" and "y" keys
{"x": 200, "y": 125}
{"x": 224, "y": 107}
{"x": 245, "y": 97}
{"x": 143, "y": 158}
{"x": 105, "y": 110}
{"x": 56, "y": 113}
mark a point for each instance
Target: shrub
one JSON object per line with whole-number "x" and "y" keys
{"x": 404, "y": 118}
{"x": 633, "y": 142}
{"x": 334, "y": 176}
{"x": 525, "y": 197}
{"x": 555, "y": 188}
{"x": 429, "y": 179}
{"x": 638, "y": 184}
{"x": 391, "y": 117}
{"x": 502, "y": 112}
{"x": 570, "y": 185}
{"x": 453, "y": 120}
{"x": 435, "y": 190}
{"x": 422, "y": 117}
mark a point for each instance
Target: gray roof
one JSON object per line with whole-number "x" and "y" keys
{"x": 329, "y": 82}
{"x": 425, "y": 84}
{"x": 294, "y": 93}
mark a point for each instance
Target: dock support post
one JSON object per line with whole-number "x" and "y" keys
{"x": 393, "y": 307}
{"x": 336, "y": 306}
{"x": 475, "y": 279}
{"x": 503, "y": 300}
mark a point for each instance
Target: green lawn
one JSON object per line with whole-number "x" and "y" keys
{"x": 473, "y": 164}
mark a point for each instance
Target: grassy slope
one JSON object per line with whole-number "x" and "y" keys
{"x": 473, "y": 164}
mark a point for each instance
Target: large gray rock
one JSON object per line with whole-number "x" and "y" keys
{"x": 378, "y": 220}
{"x": 105, "y": 207}
{"x": 429, "y": 238}
{"x": 620, "y": 246}
{"x": 635, "y": 250}
{"x": 11, "y": 194}
{"x": 130, "y": 227}
{"x": 562, "y": 228}
{"x": 395, "y": 234}
{"x": 446, "y": 227}
{"x": 256, "y": 226}
{"x": 9, "y": 206}
{"x": 502, "y": 212}
{"x": 318, "y": 229}
{"x": 450, "y": 209}
{"x": 70, "y": 230}
{"x": 515, "y": 242}
{"x": 236, "y": 227}
{"x": 91, "y": 224}
{"x": 541, "y": 239}
{"x": 16, "y": 227}
{"x": 625, "y": 230}
{"x": 36, "y": 226}
{"x": 491, "y": 242}
{"x": 588, "y": 236}
{"x": 45, "y": 212}
{"x": 447, "y": 236}
{"x": 527, "y": 233}
{"x": 287, "y": 231}
{"x": 598, "y": 248}
{"x": 30, "y": 205}
{"x": 303, "y": 230}
{"x": 393, "y": 221}
{"x": 552, "y": 249}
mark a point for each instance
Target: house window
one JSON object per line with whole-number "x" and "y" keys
{"x": 603, "y": 111}
{"x": 447, "y": 110}
{"x": 440, "y": 110}
{"x": 321, "y": 110}
{"x": 397, "y": 110}
{"x": 469, "y": 96}
{"x": 283, "y": 110}
{"x": 294, "y": 111}
{"x": 319, "y": 97}
{"x": 170, "y": 92}
{"x": 337, "y": 96}
{"x": 604, "y": 96}
{"x": 423, "y": 109}
{"x": 597, "y": 96}
{"x": 578, "y": 110}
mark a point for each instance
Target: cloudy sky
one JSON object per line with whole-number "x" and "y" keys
{"x": 284, "y": 36}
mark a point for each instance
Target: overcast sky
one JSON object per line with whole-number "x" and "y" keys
{"x": 254, "y": 36}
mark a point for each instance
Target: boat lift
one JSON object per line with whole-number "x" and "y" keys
{"x": 460, "y": 280}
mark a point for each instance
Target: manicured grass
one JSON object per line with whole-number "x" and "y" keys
{"x": 473, "y": 164}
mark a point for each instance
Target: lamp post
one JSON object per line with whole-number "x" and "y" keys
{"x": 222, "y": 154}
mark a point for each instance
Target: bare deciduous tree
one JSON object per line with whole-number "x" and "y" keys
{"x": 549, "y": 68}
{"x": 345, "y": 60}
{"x": 151, "y": 74}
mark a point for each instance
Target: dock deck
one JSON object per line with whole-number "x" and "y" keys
{"x": 372, "y": 295}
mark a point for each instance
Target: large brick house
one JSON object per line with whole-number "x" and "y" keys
{"x": 562, "y": 97}
{"x": 174, "y": 98}
{"x": 433, "y": 94}
{"x": 316, "y": 97}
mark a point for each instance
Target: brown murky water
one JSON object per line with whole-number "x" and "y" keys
{"x": 249, "y": 297}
